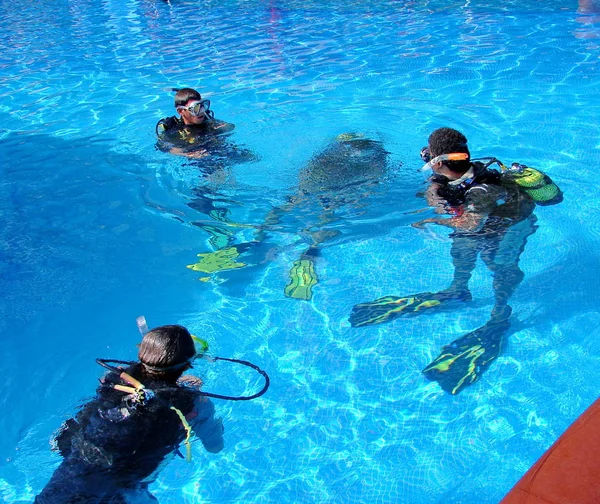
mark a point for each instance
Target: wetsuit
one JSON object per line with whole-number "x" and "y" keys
{"x": 506, "y": 221}
{"x": 207, "y": 140}
{"x": 113, "y": 448}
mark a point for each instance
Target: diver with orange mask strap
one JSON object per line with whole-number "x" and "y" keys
{"x": 491, "y": 216}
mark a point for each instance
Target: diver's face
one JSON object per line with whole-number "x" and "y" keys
{"x": 188, "y": 112}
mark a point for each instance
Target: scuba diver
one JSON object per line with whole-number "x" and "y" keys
{"x": 198, "y": 136}
{"x": 113, "y": 448}
{"x": 195, "y": 133}
{"x": 343, "y": 174}
{"x": 491, "y": 215}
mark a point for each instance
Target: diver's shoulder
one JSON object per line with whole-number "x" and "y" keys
{"x": 221, "y": 127}
{"x": 167, "y": 124}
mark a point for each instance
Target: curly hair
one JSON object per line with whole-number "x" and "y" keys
{"x": 447, "y": 141}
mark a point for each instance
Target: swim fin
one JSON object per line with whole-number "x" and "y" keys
{"x": 303, "y": 278}
{"x": 390, "y": 307}
{"x": 221, "y": 260}
{"x": 464, "y": 360}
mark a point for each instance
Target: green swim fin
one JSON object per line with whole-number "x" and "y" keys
{"x": 303, "y": 278}
{"x": 220, "y": 260}
{"x": 390, "y": 307}
{"x": 464, "y": 360}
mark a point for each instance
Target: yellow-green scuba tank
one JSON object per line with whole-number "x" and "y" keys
{"x": 535, "y": 183}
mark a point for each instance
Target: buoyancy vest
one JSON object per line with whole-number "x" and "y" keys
{"x": 125, "y": 439}
{"x": 455, "y": 192}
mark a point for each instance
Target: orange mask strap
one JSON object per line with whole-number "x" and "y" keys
{"x": 454, "y": 156}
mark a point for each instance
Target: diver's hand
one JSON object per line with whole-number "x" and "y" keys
{"x": 434, "y": 200}
{"x": 190, "y": 381}
{"x": 421, "y": 224}
{"x": 198, "y": 154}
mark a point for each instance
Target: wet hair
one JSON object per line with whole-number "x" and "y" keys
{"x": 184, "y": 95}
{"x": 163, "y": 349}
{"x": 448, "y": 141}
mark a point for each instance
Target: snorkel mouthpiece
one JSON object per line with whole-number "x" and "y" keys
{"x": 201, "y": 346}
{"x": 142, "y": 325}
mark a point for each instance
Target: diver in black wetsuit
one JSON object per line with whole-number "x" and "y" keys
{"x": 195, "y": 133}
{"x": 344, "y": 174}
{"x": 491, "y": 215}
{"x": 115, "y": 445}
{"x": 198, "y": 136}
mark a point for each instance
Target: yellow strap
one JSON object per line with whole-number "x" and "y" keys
{"x": 188, "y": 433}
{"x": 131, "y": 380}
{"x": 123, "y": 388}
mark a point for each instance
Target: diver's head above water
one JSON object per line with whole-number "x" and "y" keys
{"x": 166, "y": 352}
{"x": 447, "y": 153}
{"x": 191, "y": 107}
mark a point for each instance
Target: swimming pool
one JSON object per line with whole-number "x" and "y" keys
{"x": 97, "y": 231}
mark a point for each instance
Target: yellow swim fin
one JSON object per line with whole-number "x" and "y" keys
{"x": 303, "y": 278}
{"x": 390, "y": 307}
{"x": 219, "y": 260}
{"x": 464, "y": 360}
{"x": 219, "y": 237}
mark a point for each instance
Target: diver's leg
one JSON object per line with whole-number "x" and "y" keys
{"x": 76, "y": 481}
{"x": 464, "y": 252}
{"x": 502, "y": 258}
{"x": 138, "y": 495}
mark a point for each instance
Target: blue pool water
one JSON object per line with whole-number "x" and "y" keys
{"x": 96, "y": 230}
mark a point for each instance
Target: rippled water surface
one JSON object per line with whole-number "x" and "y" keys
{"x": 98, "y": 227}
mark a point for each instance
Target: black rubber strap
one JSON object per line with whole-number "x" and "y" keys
{"x": 241, "y": 398}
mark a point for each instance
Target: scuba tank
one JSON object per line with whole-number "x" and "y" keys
{"x": 535, "y": 183}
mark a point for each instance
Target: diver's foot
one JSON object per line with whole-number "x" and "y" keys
{"x": 500, "y": 313}
{"x": 455, "y": 294}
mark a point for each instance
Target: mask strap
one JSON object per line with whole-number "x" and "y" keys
{"x": 454, "y": 156}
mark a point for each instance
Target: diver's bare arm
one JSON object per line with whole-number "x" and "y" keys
{"x": 193, "y": 154}
{"x": 434, "y": 200}
{"x": 469, "y": 221}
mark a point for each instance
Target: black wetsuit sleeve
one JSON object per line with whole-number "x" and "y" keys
{"x": 64, "y": 435}
{"x": 219, "y": 127}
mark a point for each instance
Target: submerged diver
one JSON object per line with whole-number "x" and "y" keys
{"x": 491, "y": 215}
{"x": 114, "y": 446}
{"x": 342, "y": 174}
{"x": 197, "y": 135}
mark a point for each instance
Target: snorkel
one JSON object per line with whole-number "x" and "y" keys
{"x": 201, "y": 347}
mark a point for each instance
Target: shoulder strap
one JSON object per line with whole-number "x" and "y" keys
{"x": 166, "y": 124}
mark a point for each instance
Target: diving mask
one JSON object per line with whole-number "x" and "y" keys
{"x": 454, "y": 156}
{"x": 198, "y": 108}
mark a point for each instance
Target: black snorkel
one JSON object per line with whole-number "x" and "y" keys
{"x": 135, "y": 387}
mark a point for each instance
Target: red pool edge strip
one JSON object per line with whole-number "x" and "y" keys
{"x": 569, "y": 471}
